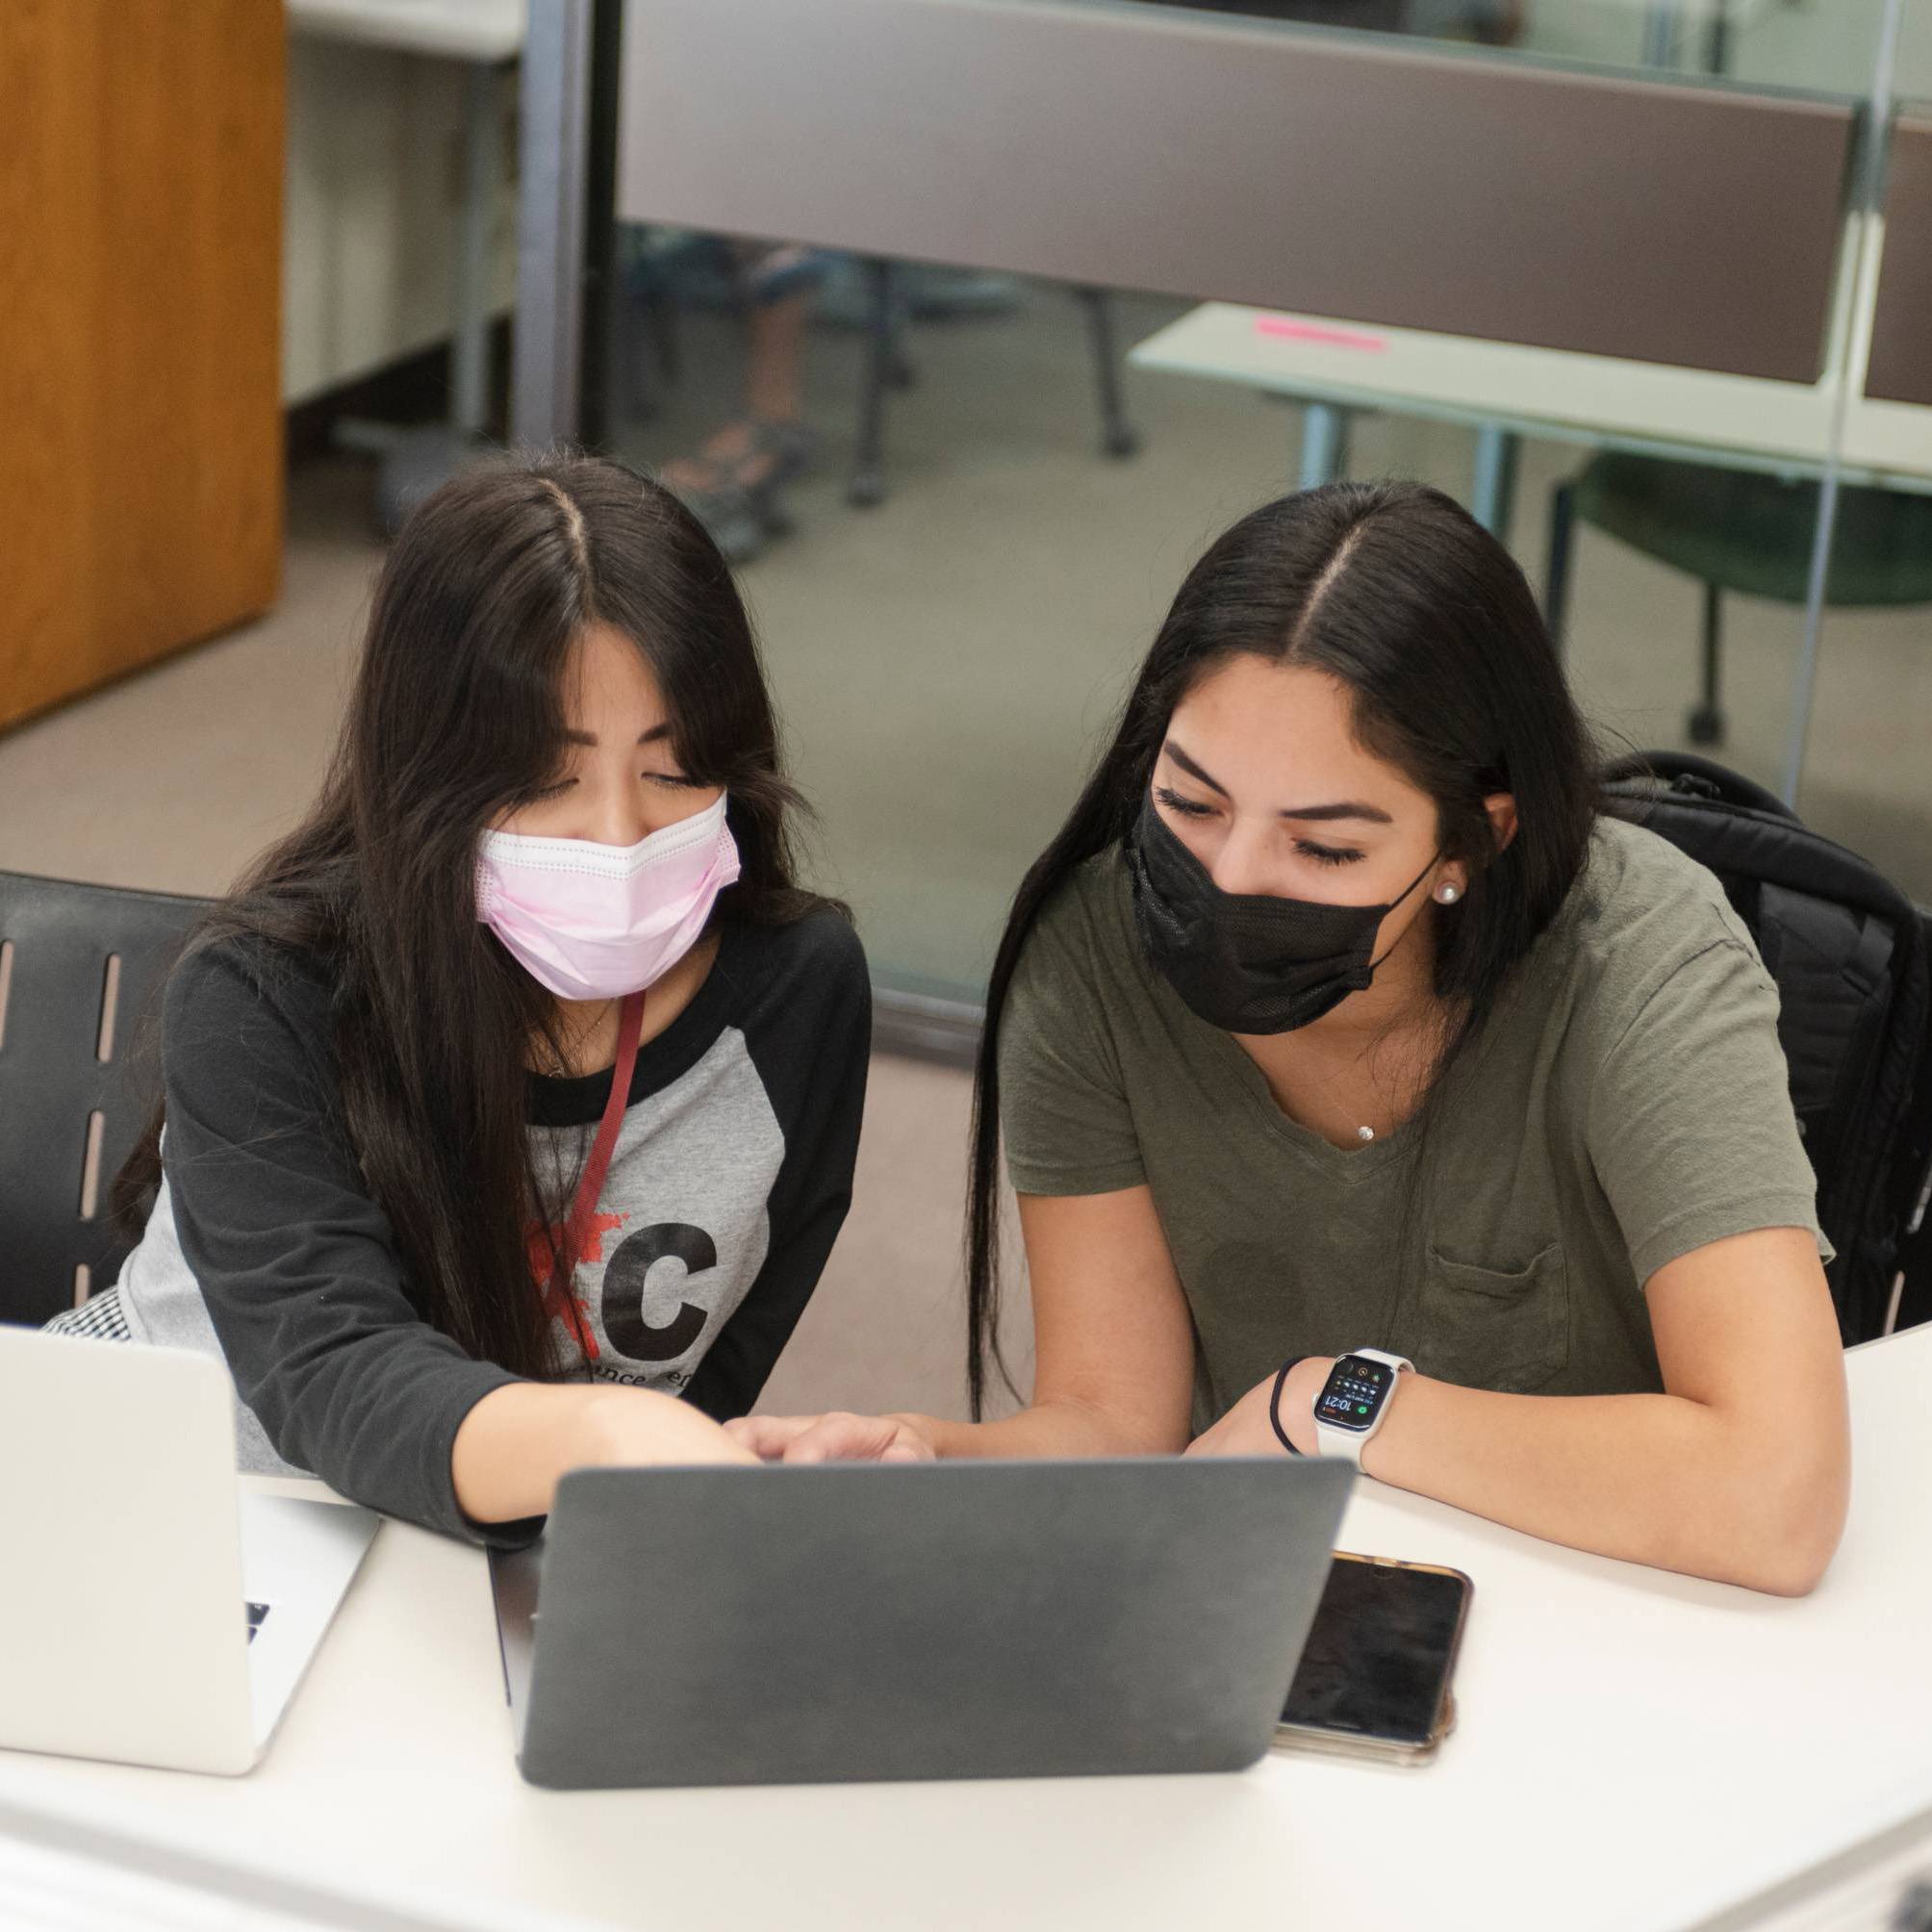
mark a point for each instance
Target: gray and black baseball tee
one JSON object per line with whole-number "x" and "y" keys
{"x": 730, "y": 1177}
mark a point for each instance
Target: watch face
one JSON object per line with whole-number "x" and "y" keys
{"x": 1352, "y": 1395}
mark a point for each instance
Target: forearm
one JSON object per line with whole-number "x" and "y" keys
{"x": 1045, "y": 1430}
{"x": 1652, "y": 1479}
{"x": 518, "y": 1442}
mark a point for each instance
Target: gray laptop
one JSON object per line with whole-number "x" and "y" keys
{"x": 938, "y": 1621}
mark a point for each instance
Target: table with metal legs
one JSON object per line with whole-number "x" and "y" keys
{"x": 483, "y": 35}
{"x": 1493, "y": 484}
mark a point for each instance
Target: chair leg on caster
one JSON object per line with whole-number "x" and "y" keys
{"x": 1118, "y": 436}
{"x": 1556, "y": 576}
{"x": 1706, "y": 721}
{"x": 866, "y": 487}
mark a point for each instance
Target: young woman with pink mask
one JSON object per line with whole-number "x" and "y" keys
{"x": 510, "y": 1105}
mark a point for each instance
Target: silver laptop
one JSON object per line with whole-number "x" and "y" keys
{"x": 935, "y": 1620}
{"x": 151, "y": 1612}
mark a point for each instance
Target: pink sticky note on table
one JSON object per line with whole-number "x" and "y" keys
{"x": 1290, "y": 330}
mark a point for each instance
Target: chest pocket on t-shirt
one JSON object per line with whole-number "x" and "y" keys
{"x": 1488, "y": 1326}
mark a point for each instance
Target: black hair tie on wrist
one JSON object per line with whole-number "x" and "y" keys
{"x": 1275, "y": 1403}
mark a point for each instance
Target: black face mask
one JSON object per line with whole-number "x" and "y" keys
{"x": 1247, "y": 962}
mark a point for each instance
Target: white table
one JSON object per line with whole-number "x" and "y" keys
{"x": 1505, "y": 389}
{"x": 1636, "y": 1749}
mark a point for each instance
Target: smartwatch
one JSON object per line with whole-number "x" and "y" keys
{"x": 1355, "y": 1399}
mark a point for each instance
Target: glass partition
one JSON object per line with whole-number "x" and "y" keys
{"x": 998, "y": 481}
{"x": 1867, "y": 770}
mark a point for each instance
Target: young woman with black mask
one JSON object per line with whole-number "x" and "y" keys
{"x": 1338, "y": 1018}
{"x": 511, "y": 1103}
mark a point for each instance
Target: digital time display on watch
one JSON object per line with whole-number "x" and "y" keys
{"x": 1352, "y": 1395}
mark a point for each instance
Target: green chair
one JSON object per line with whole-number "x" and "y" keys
{"x": 1741, "y": 530}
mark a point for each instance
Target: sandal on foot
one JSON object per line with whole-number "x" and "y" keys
{"x": 729, "y": 516}
{"x": 738, "y": 502}
{"x": 777, "y": 453}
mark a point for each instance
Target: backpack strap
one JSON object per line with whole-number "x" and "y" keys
{"x": 1686, "y": 773}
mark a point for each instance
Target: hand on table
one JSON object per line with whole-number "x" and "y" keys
{"x": 837, "y": 1437}
{"x": 631, "y": 1428}
{"x": 518, "y": 1442}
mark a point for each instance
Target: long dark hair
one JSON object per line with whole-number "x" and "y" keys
{"x": 458, "y": 711}
{"x": 1395, "y": 591}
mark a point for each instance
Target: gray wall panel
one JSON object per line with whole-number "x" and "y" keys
{"x": 1148, "y": 147}
{"x": 1901, "y": 369}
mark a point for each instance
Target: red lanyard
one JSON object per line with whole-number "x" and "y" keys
{"x": 557, "y": 1297}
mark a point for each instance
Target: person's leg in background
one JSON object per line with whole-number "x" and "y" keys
{"x": 735, "y": 483}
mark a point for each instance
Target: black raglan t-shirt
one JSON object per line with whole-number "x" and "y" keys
{"x": 730, "y": 1177}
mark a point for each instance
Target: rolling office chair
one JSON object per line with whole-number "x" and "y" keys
{"x": 1738, "y": 530}
{"x": 886, "y": 369}
{"x": 81, "y": 968}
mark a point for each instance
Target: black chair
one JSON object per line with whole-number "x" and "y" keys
{"x": 81, "y": 970}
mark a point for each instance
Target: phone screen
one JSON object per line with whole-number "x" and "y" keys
{"x": 1380, "y": 1653}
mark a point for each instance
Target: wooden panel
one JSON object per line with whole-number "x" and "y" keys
{"x": 1149, "y": 147}
{"x": 47, "y": 208}
{"x": 140, "y": 196}
{"x": 1901, "y": 369}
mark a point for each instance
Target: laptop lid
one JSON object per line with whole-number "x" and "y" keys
{"x": 122, "y": 1632}
{"x": 948, "y": 1621}
{"x": 124, "y": 1620}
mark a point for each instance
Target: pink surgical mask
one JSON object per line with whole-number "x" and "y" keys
{"x": 596, "y": 922}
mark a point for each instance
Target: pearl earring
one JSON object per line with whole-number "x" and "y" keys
{"x": 1447, "y": 894}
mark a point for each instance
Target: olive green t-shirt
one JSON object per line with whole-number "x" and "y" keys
{"x": 1626, "y": 1103}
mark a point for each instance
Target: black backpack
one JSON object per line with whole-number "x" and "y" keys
{"x": 1852, "y": 958}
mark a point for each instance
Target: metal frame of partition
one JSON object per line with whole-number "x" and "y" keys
{"x": 566, "y": 266}
{"x": 553, "y": 169}
{"x": 1866, "y": 200}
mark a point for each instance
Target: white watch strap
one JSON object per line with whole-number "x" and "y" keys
{"x": 1338, "y": 1444}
